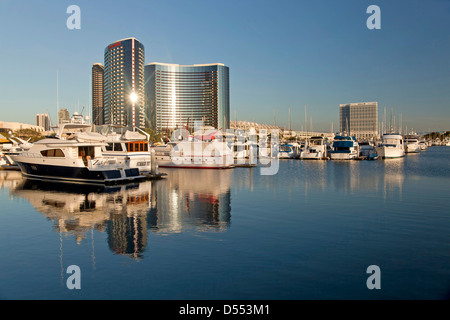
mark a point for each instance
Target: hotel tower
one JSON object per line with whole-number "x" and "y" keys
{"x": 180, "y": 95}
{"x": 124, "y": 84}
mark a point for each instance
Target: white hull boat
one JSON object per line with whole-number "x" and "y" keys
{"x": 391, "y": 146}
{"x": 75, "y": 155}
{"x": 316, "y": 148}
{"x": 344, "y": 148}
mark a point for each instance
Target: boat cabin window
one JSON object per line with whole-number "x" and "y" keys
{"x": 114, "y": 147}
{"x": 137, "y": 146}
{"x": 58, "y": 153}
{"x": 342, "y": 145}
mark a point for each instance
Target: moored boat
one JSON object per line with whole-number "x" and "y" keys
{"x": 412, "y": 144}
{"x": 75, "y": 155}
{"x": 344, "y": 148}
{"x": 195, "y": 154}
{"x": 391, "y": 146}
{"x": 130, "y": 147}
{"x": 367, "y": 151}
{"x": 316, "y": 148}
{"x": 289, "y": 151}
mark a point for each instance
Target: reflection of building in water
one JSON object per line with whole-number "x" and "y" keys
{"x": 192, "y": 198}
{"x": 187, "y": 198}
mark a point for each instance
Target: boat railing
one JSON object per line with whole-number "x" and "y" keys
{"x": 28, "y": 154}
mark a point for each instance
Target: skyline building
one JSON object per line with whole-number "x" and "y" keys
{"x": 98, "y": 72}
{"x": 359, "y": 119}
{"x": 63, "y": 115}
{"x": 43, "y": 120}
{"x": 124, "y": 83}
{"x": 179, "y": 95}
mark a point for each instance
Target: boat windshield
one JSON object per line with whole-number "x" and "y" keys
{"x": 390, "y": 142}
{"x": 285, "y": 148}
{"x": 339, "y": 145}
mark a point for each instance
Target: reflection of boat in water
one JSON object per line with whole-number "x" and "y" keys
{"x": 391, "y": 146}
{"x": 75, "y": 155}
{"x": 10, "y": 179}
{"x": 119, "y": 210}
{"x": 194, "y": 154}
{"x": 188, "y": 199}
{"x": 344, "y": 148}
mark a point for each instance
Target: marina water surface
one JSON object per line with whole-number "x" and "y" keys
{"x": 311, "y": 231}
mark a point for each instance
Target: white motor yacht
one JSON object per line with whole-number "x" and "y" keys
{"x": 289, "y": 151}
{"x": 75, "y": 155}
{"x": 194, "y": 154}
{"x": 391, "y": 146}
{"x": 344, "y": 148}
{"x": 316, "y": 148}
{"x": 423, "y": 145}
{"x": 130, "y": 147}
{"x": 412, "y": 144}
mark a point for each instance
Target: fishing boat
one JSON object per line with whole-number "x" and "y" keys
{"x": 130, "y": 147}
{"x": 316, "y": 148}
{"x": 344, "y": 148}
{"x": 412, "y": 144}
{"x": 289, "y": 151}
{"x": 367, "y": 151}
{"x": 391, "y": 146}
{"x": 74, "y": 155}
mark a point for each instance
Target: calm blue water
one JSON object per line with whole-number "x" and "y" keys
{"x": 308, "y": 232}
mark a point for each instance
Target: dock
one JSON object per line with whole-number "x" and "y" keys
{"x": 244, "y": 165}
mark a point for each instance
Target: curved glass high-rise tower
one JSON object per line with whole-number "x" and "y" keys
{"x": 177, "y": 95}
{"x": 124, "y": 83}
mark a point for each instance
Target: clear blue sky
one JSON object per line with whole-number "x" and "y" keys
{"x": 282, "y": 54}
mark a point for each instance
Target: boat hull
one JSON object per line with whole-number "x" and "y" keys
{"x": 191, "y": 164}
{"x": 388, "y": 152}
{"x": 342, "y": 155}
{"x": 77, "y": 174}
{"x": 413, "y": 148}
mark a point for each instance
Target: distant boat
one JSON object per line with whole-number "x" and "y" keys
{"x": 75, "y": 156}
{"x": 316, "y": 148}
{"x": 391, "y": 146}
{"x": 367, "y": 151}
{"x": 344, "y": 148}
{"x": 423, "y": 145}
{"x": 412, "y": 144}
{"x": 195, "y": 154}
{"x": 8, "y": 150}
{"x": 289, "y": 151}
